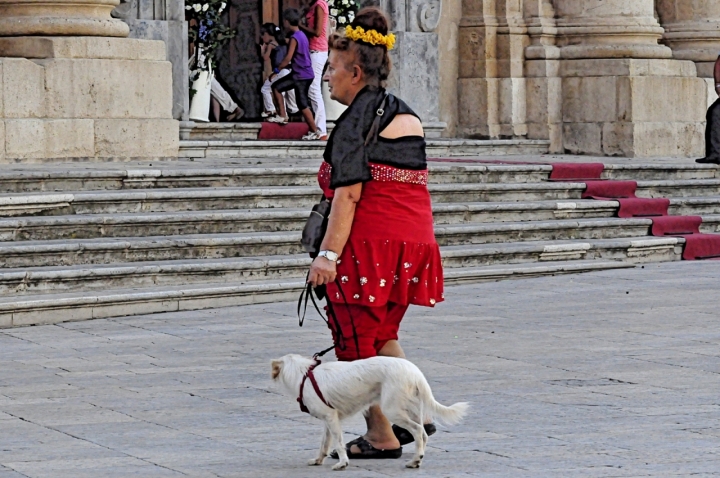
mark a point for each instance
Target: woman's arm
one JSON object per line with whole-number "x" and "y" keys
{"x": 320, "y": 20}
{"x": 342, "y": 213}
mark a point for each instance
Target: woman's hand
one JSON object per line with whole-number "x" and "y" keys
{"x": 322, "y": 271}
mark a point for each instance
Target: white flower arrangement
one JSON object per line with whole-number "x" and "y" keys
{"x": 343, "y": 12}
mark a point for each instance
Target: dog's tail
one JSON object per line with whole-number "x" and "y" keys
{"x": 447, "y": 415}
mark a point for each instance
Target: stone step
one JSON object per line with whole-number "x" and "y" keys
{"x": 436, "y": 147}
{"x": 62, "y": 307}
{"x": 179, "y": 174}
{"x": 87, "y": 226}
{"x": 142, "y": 224}
{"x": 109, "y": 250}
{"x": 241, "y": 269}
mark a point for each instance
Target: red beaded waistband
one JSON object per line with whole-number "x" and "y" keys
{"x": 381, "y": 172}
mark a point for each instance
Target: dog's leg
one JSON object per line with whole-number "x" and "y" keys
{"x": 324, "y": 448}
{"x": 335, "y": 430}
{"x": 420, "y": 436}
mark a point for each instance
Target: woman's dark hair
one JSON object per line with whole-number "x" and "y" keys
{"x": 292, "y": 15}
{"x": 373, "y": 60}
{"x": 274, "y": 31}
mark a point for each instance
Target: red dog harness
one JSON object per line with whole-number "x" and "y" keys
{"x": 311, "y": 376}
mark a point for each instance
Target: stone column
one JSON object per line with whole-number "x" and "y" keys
{"x": 492, "y": 85}
{"x": 416, "y": 74}
{"x": 163, "y": 20}
{"x": 60, "y": 17}
{"x": 542, "y": 66}
{"x": 692, "y": 30}
{"x": 73, "y": 88}
{"x": 609, "y": 29}
{"x": 622, "y": 94}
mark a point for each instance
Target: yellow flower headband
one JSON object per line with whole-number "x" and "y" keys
{"x": 372, "y": 37}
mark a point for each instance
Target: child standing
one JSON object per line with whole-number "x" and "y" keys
{"x": 301, "y": 78}
{"x": 274, "y": 49}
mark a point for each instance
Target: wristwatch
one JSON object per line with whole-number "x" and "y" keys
{"x": 329, "y": 255}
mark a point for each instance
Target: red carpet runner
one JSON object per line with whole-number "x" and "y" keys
{"x": 290, "y": 131}
{"x": 697, "y": 244}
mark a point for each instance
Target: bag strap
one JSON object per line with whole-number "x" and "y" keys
{"x": 375, "y": 127}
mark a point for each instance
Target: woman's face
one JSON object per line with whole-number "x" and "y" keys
{"x": 344, "y": 79}
{"x": 266, "y": 37}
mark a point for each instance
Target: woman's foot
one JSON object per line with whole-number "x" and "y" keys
{"x": 315, "y": 136}
{"x": 405, "y": 437}
{"x": 267, "y": 114}
{"x": 279, "y": 119}
{"x": 238, "y": 113}
{"x": 360, "y": 448}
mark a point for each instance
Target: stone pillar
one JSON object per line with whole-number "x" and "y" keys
{"x": 60, "y": 17}
{"x": 692, "y": 30}
{"x": 71, "y": 88}
{"x": 542, "y": 67}
{"x": 622, "y": 94}
{"x": 492, "y": 85}
{"x": 163, "y": 20}
{"x": 416, "y": 76}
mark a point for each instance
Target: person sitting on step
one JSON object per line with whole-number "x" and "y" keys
{"x": 712, "y": 127}
{"x": 301, "y": 78}
{"x": 274, "y": 49}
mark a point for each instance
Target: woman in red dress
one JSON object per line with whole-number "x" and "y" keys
{"x": 380, "y": 242}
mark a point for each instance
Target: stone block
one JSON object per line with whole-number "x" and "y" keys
{"x": 712, "y": 95}
{"x": 51, "y": 316}
{"x": 474, "y": 63}
{"x": 82, "y": 47}
{"x": 2, "y": 140}
{"x": 591, "y": 99}
{"x": 582, "y": 138}
{"x": 675, "y": 139}
{"x": 174, "y": 35}
{"x": 137, "y": 138}
{"x": 618, "y": 139}
{"x": 672, "y": 99}
{"x": 48, "y": 139}
{"x": 474, "y": 109}
{"x": 419, "y": 87}
{"x": 626, "y": 67}
{"x": 542, "y": 68}
{"x": 88, "y": 88}
{"x": 23, "y": 89}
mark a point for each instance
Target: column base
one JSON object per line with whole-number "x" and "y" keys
{"x": 85, "y": 99}
{"x": 633, "y": 108}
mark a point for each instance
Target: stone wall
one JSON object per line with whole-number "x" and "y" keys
{"x": 163, "y": 20}
{"x": 85, "y": 98}
{"x": 592, "y": 77}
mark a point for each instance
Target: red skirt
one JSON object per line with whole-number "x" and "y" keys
{"x": 391, "y": 255}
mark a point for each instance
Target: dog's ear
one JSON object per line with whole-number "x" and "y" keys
{"x": 276, "y": 368}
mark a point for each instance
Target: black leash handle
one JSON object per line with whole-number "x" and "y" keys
{"x": 308, "y": 294}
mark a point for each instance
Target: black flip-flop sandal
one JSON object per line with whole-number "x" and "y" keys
{"x": 405, "y": 437}
{"x": 367, "y": 451}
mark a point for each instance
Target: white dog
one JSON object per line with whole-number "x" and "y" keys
{"x": 347, "y": 388}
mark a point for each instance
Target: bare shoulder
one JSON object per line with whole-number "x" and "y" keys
{"x": 403, "y": 125}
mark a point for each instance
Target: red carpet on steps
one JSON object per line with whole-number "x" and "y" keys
{"x": 697, "y": 244}
{"x": 576, "y": 171}
{"x": 290, "y": 131}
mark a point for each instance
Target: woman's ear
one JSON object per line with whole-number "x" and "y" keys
{"x": 357, "y": 74}
{"x": 276, "y": 368}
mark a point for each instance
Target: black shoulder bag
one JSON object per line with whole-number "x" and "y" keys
{"x": 316, "y": 225}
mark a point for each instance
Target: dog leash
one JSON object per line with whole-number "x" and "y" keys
{"x": 308, "y": 294}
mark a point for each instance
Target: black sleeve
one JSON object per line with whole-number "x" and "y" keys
{"x": 346, "y": 148}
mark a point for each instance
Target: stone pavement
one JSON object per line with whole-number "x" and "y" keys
{"x": 605, "y": 374}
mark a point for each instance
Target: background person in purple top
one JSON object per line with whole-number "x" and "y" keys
{"x": 302, "y": 74}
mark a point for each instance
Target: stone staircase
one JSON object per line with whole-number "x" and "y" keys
{"x": 80, "y": 241}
